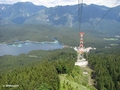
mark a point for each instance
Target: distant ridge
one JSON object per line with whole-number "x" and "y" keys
{"x": 28, "y": 13}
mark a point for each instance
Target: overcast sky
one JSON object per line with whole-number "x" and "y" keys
{"x": 51, "y": 3}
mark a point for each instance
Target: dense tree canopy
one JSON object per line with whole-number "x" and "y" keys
{"x": 106, "y": 69}
{"x": 40, "y": 75}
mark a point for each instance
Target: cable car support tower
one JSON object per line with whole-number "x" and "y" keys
{"x": 81, "y": 61}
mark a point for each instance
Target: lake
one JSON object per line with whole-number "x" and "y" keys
{"x": 27, "y": 46}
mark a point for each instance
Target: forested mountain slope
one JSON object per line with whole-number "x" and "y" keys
{"x": 28, "y": 13}
{"x": 106, "y": 68}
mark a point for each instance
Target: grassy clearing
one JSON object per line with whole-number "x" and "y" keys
{"x": 78, "y": 79}
{"x": 111, "y": 39}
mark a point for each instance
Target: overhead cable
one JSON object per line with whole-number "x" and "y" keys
{"x": 107, "y": 12}
{"x": 80, "y": 10}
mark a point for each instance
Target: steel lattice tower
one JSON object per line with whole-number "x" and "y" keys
{"x": 81, "y": 40}
{"x": 81, "y": 46}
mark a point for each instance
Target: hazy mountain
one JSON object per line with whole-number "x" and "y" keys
{"x": 18, "y": 13}
{"x": 28, "y": 13}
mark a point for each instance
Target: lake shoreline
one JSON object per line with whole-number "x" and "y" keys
{"x": 29, "y": 41}
{"x": 19, "y": 47}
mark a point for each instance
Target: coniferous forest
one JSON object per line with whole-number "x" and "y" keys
{"x": 42, "y": 70}
{"x": 23, "y": 22}
{"x": 106, "y": 68}
{"x": 42, "y": 75}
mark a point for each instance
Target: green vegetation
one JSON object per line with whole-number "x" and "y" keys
{"x": 106, "y": 68}
{"x": 32, "y": 77}
{"x": 54, "y": 69}
{"x": 110, "y": 38}
{"x": 8, "y": 62}
{"x": 41, "y": 74}
{"x": 78, "y": 79}
{"x": 39, "y": 33}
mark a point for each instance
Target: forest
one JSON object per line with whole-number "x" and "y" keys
{"x": 106, "y": 68}
{"x": 46, "y": 73}
{"x": 40, "y": 75}
{"x": 45, "y": 70}
{"x": 39, "y": 33}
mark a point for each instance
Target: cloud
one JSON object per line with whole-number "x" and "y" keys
{"x": 109, "y": 3}
{"x": 50, "y": 3}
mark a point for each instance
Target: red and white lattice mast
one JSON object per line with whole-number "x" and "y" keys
{"x": 81, "y": 46}
{"x": 81, "y": 39}
{"x": 81, "y": 61}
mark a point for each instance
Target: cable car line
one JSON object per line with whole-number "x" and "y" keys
{"x": 106, "y": 13}
{"x": 80, "y": 10}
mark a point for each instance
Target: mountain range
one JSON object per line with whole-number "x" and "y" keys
{"x": 28, "y": 13}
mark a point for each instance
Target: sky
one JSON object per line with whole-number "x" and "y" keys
{"x": 52, "y": 3}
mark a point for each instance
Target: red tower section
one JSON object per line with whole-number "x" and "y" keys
{"x": 81, "y": 39}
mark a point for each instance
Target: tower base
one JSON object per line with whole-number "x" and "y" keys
{"x": 81, "y": 63}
